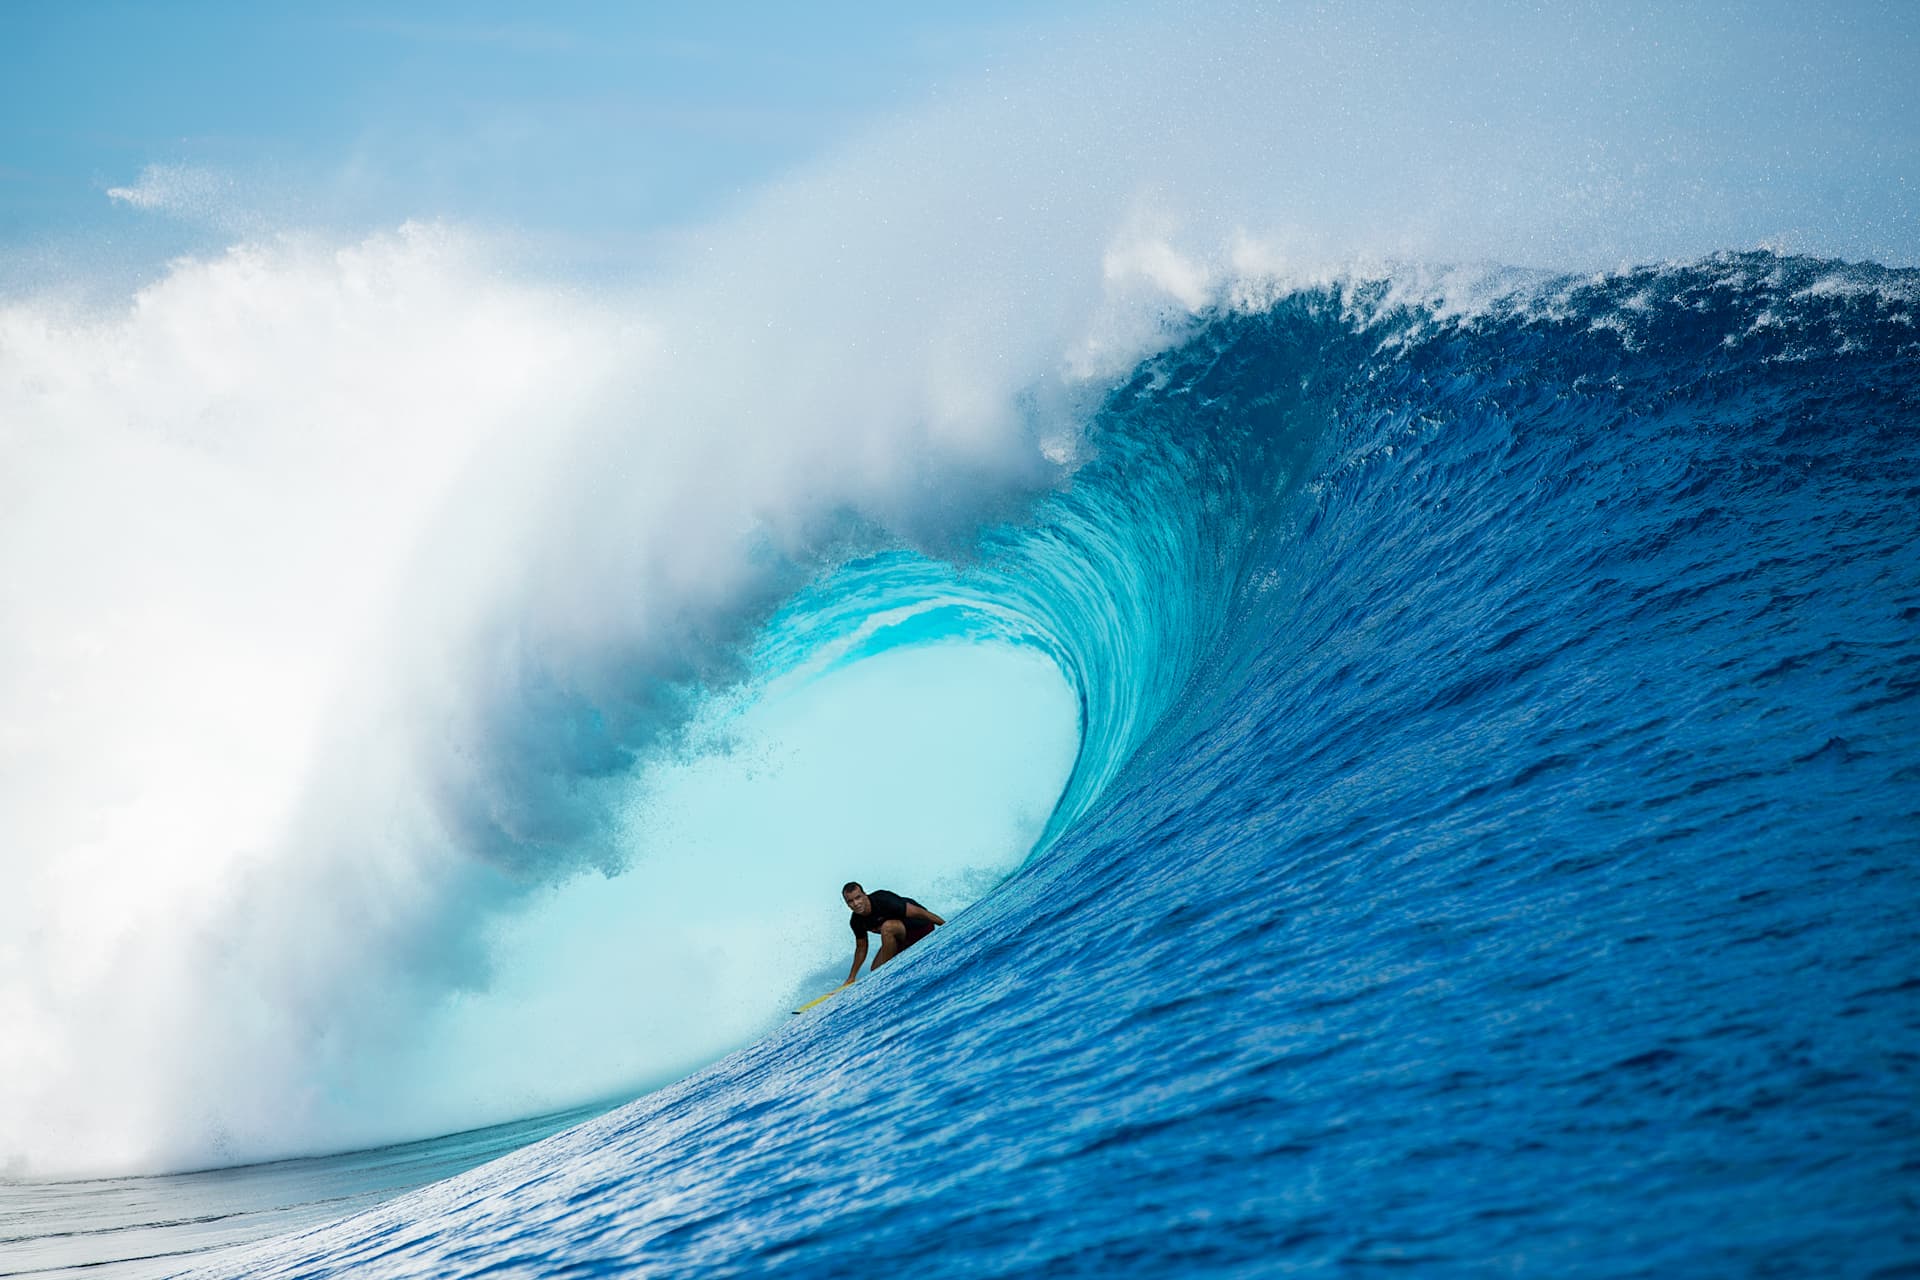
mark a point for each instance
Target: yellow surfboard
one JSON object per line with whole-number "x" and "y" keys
{"x": 823, "y": 999}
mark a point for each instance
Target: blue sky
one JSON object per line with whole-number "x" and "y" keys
{"x": 601, "y": 129}
{"x": 604, "y": 119}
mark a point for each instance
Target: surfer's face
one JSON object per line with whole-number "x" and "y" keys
{"x": 858, "y": 903}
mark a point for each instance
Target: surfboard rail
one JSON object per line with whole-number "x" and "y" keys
{"x": 823, "y": 999}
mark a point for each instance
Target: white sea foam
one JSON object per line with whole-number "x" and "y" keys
{"x": 345, "y": 580}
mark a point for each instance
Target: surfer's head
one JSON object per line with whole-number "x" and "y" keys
{"x": 856, "y": 898}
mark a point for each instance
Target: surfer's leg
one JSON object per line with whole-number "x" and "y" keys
{"x": 893, "y": 935}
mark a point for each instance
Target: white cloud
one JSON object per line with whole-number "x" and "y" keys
{"x": 187, "y": 192}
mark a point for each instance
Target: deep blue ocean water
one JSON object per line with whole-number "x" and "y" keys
{"x": 1494, "y": 847}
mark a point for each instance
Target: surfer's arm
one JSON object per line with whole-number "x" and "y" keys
{"x": 859, "y": 954}
{"x": 917, "y": 912}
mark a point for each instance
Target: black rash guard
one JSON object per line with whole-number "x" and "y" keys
{"x": 883, "y": 906}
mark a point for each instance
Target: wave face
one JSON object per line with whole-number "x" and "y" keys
{"x": 1491, "y": 847}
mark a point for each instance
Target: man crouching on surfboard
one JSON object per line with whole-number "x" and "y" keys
{"x": 899, "y": 921}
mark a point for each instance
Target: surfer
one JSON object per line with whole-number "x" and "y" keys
{"x": 899, "y": 921}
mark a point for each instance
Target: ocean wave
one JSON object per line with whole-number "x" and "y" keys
{"x": 1494, "y": 799}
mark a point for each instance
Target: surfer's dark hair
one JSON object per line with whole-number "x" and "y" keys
{"x": 851, "y": 886}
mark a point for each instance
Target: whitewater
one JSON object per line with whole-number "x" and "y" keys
{"x": 1420, "y": 755}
